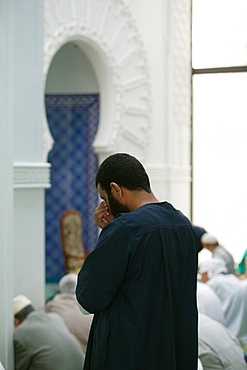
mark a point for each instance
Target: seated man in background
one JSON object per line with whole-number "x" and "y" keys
{"x": 65, "y": 304}
{"x": 40, "y": 342}
{"x": 231, "y": 293}
{"x": 218, "y": 348}
{"x": 210, "y": 242}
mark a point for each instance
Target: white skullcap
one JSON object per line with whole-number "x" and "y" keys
{"x": 208, "y": 239}
{"x": 212, "y": 266}
{"x": 19, "y": 303}
{"x": 68, "y": 283}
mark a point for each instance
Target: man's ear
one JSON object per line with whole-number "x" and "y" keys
{"x": 16, "y": 321}
{"x": 116, "y": 190}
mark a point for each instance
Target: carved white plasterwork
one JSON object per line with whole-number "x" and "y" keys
{"x": 180, "y": 76}
{"x": 31, "y": 175}
{"x": 108, "y": 34}
{"x": 166, "y": 173}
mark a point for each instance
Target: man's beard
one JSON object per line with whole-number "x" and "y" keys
{"x": 115, "y": 206}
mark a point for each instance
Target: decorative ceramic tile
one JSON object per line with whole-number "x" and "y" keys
{"x": 73, "y": 122}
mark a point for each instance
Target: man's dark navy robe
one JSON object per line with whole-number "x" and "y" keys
{"x": 140, "y": 282}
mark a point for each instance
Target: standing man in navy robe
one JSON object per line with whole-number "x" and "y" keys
{"x": 140, "y": 280}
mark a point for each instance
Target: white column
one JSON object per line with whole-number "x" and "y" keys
{"x": 7, "y": 28}
{"x": 23, "y": 176}
{"x": 178, "y": 104}
{"x": 31, "y": 175}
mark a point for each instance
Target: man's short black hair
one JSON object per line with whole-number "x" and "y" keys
{"x": 125, "y": 170}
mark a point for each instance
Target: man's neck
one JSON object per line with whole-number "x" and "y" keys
{"x": 139, "y": 198}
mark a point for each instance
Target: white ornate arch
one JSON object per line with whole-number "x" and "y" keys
{"x": 108, "y": 34}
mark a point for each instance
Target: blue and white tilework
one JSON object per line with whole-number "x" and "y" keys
{"x": 73, "y": 122}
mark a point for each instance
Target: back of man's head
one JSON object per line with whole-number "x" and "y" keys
{"x": 125, "y": 170}
{"x": 209, "y": 239}
{"x": 213, "y": 267}
{"x": 67, "y": 283}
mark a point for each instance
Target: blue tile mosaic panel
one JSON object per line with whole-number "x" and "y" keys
{"x": 73, "y": 122}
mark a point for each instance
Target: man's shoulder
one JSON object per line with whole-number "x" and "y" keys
{"x": 151, "y": 216}
{"x": 145, "y": 219}
{"x": 163, "y": 214}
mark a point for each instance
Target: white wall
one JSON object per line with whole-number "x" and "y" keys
{"x": 165, "y": 27}
{"x": 29, "y": 251}
{"x": 71, "y": 72}
{"x": 154, "y": 29}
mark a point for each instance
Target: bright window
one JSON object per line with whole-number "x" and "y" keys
{"x": 219, "y": 36}
{"x": 220, "y": 121}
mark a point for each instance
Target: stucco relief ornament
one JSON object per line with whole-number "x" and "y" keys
{"x": 108, "y": 34}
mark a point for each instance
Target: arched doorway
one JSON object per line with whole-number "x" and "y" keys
{"x": 109, "y": 38}
{"x": 72, "y": 111}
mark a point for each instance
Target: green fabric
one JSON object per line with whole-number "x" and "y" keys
{"x": 241, "y": 269}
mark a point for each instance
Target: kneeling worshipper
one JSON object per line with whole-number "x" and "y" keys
{"x": 42, "y": 341}
{"x": 232, "y": 295}
{"x": 65, "y": 304}
{"x": 218, "y": 251}
{"x": 218, "y": 348}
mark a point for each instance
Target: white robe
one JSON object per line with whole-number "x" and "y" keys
{"x": 209, "y": 303}
{"x": 66, "y": 306}
{"x": 218, "y": 349}
{"x": 221, "y": 253}
{"x": 234, "y": 303}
